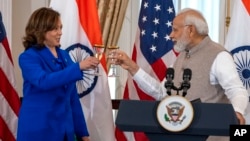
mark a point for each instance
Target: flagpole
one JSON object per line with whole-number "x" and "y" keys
{"x": 227, "y": 15}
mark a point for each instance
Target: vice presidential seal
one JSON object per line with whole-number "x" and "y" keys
{"x": 175, "y": 113}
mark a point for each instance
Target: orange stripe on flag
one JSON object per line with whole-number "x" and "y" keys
{"x": 247, "y": 5}
{"x": 89, "y": 20}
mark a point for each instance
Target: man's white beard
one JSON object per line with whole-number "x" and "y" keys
{"x": 179, "y": 47}
{"x": 181, "y": 44}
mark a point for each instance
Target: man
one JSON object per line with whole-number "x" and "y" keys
{"x": 215, "y": 78}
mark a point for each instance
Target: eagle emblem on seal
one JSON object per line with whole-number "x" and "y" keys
{"x": 175, "y": 113}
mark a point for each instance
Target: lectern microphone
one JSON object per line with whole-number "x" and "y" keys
{"x": 169, "y": 77}
{"x": 187, "y": 74}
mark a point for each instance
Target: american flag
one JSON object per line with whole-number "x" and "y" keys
{"x": 153, "y": 51}
{"x": 9, "y": 99}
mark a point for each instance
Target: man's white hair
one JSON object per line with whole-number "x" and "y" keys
{"x": 197, "y": 20}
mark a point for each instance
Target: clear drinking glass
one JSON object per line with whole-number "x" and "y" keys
{"x": 98, "y": 53}
{"x": 113, "y": 67}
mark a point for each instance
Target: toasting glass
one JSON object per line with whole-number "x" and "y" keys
{"x": 98, "y": 53}
{"x": 113, "y": 67}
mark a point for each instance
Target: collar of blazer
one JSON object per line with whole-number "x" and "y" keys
{"x": 49, "y": 59}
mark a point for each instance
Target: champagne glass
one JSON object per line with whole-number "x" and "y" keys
{"x": 98, "y": 53}
{"x": 113, "y": 67}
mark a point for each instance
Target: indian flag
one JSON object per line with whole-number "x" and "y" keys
{"x": 81, "y": 30}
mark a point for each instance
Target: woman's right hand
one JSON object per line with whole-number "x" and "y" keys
{"x": 89, "y": 63}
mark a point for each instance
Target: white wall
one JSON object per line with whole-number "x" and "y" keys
{"x": 21, "y": 10}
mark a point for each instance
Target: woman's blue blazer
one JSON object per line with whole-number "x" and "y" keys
{"x": 50, "y": 110}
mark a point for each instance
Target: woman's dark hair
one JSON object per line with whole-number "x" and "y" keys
{"x": 42, "y": 20}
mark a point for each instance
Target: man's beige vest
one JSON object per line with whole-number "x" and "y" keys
{"x": 200, "y": 59}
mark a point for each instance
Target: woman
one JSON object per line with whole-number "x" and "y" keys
{"x": 50, "y": 110}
